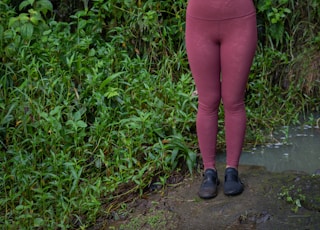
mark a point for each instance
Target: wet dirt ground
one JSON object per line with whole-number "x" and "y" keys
{"x": 270, "y": 201}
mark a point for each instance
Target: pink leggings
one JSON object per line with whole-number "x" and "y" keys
{"x": 221, "y": 39}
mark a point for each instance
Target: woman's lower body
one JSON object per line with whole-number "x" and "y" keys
{"x": 220, "y": 54}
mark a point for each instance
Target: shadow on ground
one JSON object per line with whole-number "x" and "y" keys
{"x": 288, "y": 200}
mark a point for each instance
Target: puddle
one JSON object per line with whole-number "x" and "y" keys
{"x": 297, "y": 149}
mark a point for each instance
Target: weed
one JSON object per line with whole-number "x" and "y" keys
{"x": 287, "y": 195}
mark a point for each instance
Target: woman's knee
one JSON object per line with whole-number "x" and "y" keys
{"x": 209, "y": 106}
{"x": 233, "y": 104}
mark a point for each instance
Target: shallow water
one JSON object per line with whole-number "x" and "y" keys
{"x": 296, "y": 149}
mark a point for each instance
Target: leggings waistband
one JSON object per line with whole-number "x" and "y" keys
{"x": 220, "y": 9}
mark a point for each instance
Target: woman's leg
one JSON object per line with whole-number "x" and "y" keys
{"x": 204, "y": 59}
{"x": 238, "y": 45}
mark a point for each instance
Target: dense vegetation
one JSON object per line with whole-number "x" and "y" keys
{"x": 97, "y": 101}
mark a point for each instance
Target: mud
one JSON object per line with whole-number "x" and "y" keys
{"x": 288, "y": 200}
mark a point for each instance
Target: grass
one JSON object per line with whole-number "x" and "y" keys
{"x": 96, "y": 108}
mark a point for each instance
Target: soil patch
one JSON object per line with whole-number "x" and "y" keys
{"x": 288, "y": 200}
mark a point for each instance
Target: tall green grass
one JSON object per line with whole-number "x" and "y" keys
{"x": 96, "y": 108}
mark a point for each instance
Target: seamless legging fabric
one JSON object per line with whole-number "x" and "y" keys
{"x": 221, "y": 39}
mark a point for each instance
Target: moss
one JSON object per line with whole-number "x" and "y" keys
{"x": 305, "y": 189}
{"x": 152, "y": 219}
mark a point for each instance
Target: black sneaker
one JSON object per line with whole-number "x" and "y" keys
{"x": 232, "y": 183}
{"x": 208, "y": 188}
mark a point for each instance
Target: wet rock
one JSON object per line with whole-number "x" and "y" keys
{"x": 298, "y": 189}
{"x": 257, "y": 218}
{"x": 308, "y": 191}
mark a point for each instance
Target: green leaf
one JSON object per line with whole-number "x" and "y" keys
{"x": 298, "y": 203}
{"x": 20, "y": 207}
{"x": 1, "y": 32}
{"x": 70, "y": 122}
{"x": 289, "y": 199}
{"x": 24, "y": 17}
{"x": 174, "y": 155}
{"x": 9, "y": 34}
{"x": 112, "y": 92}
{"x": 109, "y": 79}
{"x": 286, "y": 10}
{"x": 77, "y": 116}
{"x": 82, "y": 24}
{"x": 35, "y": 16}
{"x": 27, "y": 30}
{"x": 283, "y": 1}
{"x": 38, "y": 222}
{"x": 81, "y": 124}
{"x": 192, "y": 156}
{"x": 92, "y": 52}
{"x": 56, "y": 110}
{"x": 47, "y": 32}
{"x": 190, "y": 165}
{"x": 26, "y": 3}
{"x": 12, "y": 21}
{"x": 44, "y": 6}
